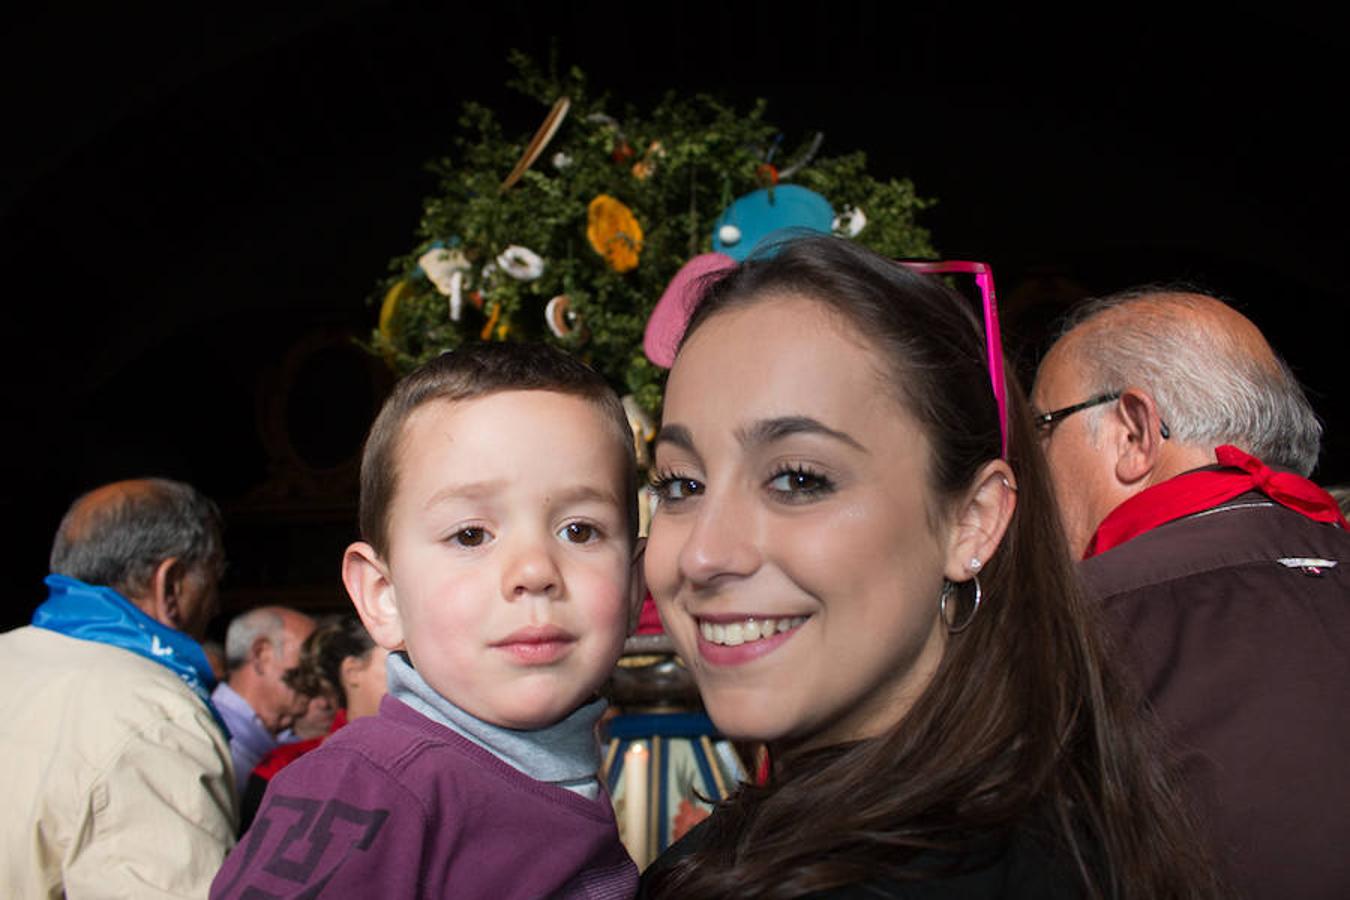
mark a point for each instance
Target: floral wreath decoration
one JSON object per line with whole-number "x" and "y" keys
{"x": 602, "y": 248}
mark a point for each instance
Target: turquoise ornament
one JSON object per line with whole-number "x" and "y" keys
{"x": 767, "y": 215}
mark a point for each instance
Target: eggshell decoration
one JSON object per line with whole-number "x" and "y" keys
{"x": 440, "y": 264}
{"x": 521, "y": 263}
{"x": 559, "y": 316}
{"x": 850, "y": 222}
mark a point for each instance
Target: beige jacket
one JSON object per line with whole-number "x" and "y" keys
{"x": 115, "y": 780}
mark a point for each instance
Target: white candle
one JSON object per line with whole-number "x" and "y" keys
{"x": 635, "y": 781}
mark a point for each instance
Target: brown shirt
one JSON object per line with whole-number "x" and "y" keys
{"x": 1241, "y": 641}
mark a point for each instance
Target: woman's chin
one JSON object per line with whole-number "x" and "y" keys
{"x": 738, "y": 720}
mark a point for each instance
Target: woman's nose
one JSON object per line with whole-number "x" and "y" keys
{"x": 721, "y": 540}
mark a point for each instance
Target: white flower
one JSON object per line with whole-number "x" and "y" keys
{"x": 521, "y": 263}
{"x": 561, "y": 160}
{"x": 850, "y": 222}
{"x": 441, "y": 265}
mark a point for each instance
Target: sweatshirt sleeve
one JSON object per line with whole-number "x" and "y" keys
{"x": 330, "y": 825}
{"x": 161, "y": 815}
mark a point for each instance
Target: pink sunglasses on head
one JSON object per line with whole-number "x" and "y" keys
{"x": 993, "y": 343}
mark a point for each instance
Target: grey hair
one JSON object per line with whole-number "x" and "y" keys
{"x": 1209, "y": 389}
{"x": 119, "y": 541}
{"x": 246, "y": 628}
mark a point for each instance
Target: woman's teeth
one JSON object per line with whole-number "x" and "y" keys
{"x": 733, "y": 634}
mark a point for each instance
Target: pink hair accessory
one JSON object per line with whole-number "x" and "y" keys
{"x": 671, "y": 315}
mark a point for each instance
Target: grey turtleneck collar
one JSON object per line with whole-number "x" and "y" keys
{"x": 566, "y": 754}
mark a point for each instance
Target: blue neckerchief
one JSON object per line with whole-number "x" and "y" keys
{"x": 100, "y": 614}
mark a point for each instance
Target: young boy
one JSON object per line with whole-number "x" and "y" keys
{"x": 498, "y": 511}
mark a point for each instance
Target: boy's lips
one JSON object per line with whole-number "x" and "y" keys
{"x": 536, "y": 645}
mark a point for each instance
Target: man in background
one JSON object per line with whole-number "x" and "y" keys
{"x": 261, "y": 645}
{"x": 116, "y": 772}
{"x": 1179, "y": 445}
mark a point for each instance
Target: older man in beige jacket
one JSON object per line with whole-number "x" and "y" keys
{"x": 116, "y": 772}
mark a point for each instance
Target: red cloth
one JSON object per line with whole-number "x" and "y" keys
{"x": 1203, "y": 489}
{"x": 649, "y": 620}
{"x": 284, "y": 755}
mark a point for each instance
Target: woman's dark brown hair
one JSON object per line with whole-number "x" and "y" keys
{"x": 319, "y": 670}
{"x": 1025, "y": 727}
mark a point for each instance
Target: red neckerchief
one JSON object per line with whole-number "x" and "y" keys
{"x": 283, "y": 755}
{"x": 1203, "y": 489}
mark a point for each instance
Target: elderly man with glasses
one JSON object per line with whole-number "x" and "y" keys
{"x": 1180, "y": 445}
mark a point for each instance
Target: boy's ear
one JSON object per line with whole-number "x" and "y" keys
{"x": 372, "y": 591}
{"x": 981, "y": 520}
{"x": 637, "y": 585}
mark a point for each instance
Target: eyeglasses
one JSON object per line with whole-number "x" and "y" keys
{"x": 993, "y": 343}
{"x": 1046, "y": 422}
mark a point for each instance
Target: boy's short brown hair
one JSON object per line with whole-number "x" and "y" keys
{"x": 476, "y": 370}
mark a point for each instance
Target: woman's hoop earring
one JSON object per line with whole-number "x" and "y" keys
{"x": 949, "y": 589}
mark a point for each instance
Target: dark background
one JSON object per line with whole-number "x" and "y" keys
{"x": 195, "y": 206}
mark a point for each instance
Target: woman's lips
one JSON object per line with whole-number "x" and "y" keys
{"x": 536, "y": 645}
{"x": 736, "y": 640}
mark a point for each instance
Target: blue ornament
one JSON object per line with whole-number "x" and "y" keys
{"x": 767, "y": 215}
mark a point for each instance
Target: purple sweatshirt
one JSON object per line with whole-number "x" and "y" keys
{"x": 397, "y": 805}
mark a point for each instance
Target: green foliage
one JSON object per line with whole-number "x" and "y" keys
{"x": 702, "y": 154}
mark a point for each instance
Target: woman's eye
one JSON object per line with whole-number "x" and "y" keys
{"x": 673, "y": 489}
{"x": 579, "y": 532}
{"x": 799, "y": 483}
{"x": 470, "y": 537}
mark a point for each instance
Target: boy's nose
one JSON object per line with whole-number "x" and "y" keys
{"x": 532, "y": 572}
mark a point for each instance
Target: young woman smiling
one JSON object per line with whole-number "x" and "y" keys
{"x": 858, "y": 573}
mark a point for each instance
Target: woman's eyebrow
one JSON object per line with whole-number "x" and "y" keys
{"x": 766, "y": 431}
{"x": 677, "y": 435}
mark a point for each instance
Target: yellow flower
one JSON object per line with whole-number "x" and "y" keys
{"x": 614, "y": 233}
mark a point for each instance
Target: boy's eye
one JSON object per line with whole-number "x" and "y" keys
{"x": 470, "y": 537}
{"x": 579, "y": 532}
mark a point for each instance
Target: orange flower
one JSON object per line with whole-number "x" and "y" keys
{"x": 614, "y": 233}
